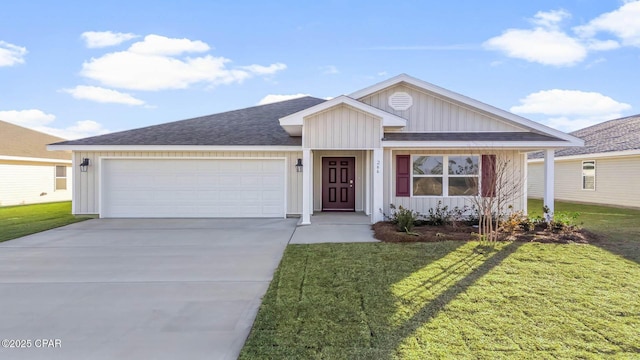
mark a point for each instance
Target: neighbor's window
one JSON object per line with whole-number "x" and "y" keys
{"x": 588, "y": 175}
{"x": 445, "y": 175}
{"x": 61, "y": 178}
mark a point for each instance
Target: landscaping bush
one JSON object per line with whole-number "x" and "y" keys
{"x": 404, "y": 219}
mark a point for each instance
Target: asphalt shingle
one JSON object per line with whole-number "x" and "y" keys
{"x": 256, "y": 125}
{"x": 613, "y": 135}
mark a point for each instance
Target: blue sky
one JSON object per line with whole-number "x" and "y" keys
{"x": 78, "y": 68}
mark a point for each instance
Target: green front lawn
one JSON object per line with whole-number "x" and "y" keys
{"x": 457, "y": 300}
{"x": 17, "y": 221}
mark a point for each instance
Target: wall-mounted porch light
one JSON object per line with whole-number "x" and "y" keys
{"x": 84, "y": 165}
{"x": 299, "y": 165}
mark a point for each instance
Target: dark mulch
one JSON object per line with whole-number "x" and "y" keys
{"x": 387, "y": 232}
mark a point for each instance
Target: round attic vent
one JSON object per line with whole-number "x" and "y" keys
{"x": 400, "y": 100}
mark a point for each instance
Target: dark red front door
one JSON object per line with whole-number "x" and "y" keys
{"x": 338, "y": 184}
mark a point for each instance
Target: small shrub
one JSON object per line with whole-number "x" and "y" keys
{"x": 517, "y": 221}
{"x": 563, "y": 221}
{"x": 404, "y": 219}
{"x": 439, "y": 216}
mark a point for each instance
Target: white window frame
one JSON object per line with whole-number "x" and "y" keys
{"x": 445, "y": 175}
{"x": 582, "y": 175}
{"x": 56, "y": 177}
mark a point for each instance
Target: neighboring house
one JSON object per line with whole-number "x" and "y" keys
{"x": 28, "y": 172}
{"x": 604, "y": 171}
{"x": 392, "y": 143}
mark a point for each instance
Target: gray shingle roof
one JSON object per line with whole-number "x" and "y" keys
{"x": 613, "y": 135}
{"x": 473, "y": 136}
{"x": 256, "y": 125}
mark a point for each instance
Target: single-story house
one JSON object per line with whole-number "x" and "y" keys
{"x": 601, "y": 172}
{"x": 29, "y": 173}
{"x": 402, "y": 141}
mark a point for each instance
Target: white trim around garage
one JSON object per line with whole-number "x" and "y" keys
{"x": 102, "y": 173}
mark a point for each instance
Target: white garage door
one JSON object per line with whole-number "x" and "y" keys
{"x": 193, "y": 188}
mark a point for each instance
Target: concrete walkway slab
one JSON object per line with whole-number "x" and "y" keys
{"x": 335, "y": 227}
{"x": 139, "y": 289}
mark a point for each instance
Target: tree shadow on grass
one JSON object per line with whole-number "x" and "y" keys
{"x": 629, "y": 250}
{"x": 432, "y": 308}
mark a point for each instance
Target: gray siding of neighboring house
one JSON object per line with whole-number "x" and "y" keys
{"x": 616, "y": 181}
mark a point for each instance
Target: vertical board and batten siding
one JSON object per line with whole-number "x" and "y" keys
{"x": 31, "y": 183}
{"x": 87, "y": 192}
{"x": 432, "y": 113}
{"x": 615, "y": 181}
{"x": 359, "y": 181}
{"x": 422, "y": 204}
{"x": 342, "y": 127}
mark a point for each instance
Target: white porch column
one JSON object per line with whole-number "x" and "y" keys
{"x": 549, "y": 182}
{"x": 307, "y": 169}
{"x": 378, "y": 191}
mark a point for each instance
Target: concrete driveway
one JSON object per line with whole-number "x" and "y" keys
{"x": 137, "y": 289}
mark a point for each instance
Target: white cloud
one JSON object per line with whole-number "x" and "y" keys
{"x": 547, "y": 47}
{"x": 569, "y": 110}
{"x": 152, "y": 64}
{"x": 329, "y": 70}
{"x": 602, "y": 45}
{"x": 81, "y": 129}
{"x": 102, "y": 95}
{"x": 548, "y": 44}
{"x": 264, "y": 70}
{"x": 11, "y": 54}
{"x": 272, "y": 98}
{"x": 27, "y": 118}
{"x": 622, "y": 22}
{"x": 40, "y": 121}
{"x": 100, "y": 39}
{"x": 550, "y": 19}
{"x": 160, "y": 45}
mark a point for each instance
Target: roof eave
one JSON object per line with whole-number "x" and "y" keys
{"x": 535, "y": 145}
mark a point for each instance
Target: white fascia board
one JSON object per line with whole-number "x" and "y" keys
{"x": 32, "y": 159}
{"x": 612, "y": 154}
{"x": 475, "y": 144}
{"x": 172, "y": 148}
{"x": 467, "y": 101}
{"x": 388, "y": 119}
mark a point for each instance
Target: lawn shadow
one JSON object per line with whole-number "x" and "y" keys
{"x": 431, "y": 309}
{"x": 628, "y": 249}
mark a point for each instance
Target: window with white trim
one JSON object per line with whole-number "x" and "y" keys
{"x": 61, "y": 178}
{"x": 589, "y": 175}
{"x": 445, "y": 175}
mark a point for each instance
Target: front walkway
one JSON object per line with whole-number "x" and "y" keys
{"x": 335, "y": 227}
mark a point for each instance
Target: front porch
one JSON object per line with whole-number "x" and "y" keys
{"x": 340, "y": 186}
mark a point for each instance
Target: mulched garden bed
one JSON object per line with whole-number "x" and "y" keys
{"x": 387, "y": 232}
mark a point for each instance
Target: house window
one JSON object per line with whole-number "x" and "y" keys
{"x": 445, "y": 175}
{"x": 589, "y": 175}
{"x": 61, "y": 178}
